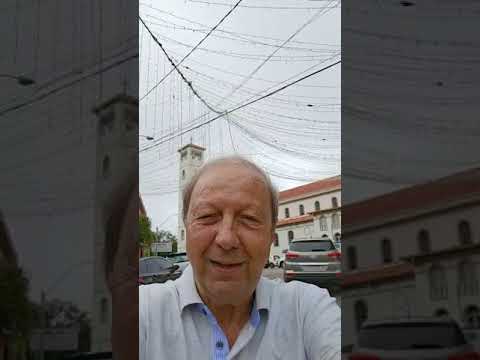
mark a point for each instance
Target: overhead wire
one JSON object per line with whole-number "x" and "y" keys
{"x": 67, "y": 85}
{"x": 193, "y": 49}
{"x": 240, "y": 38}
{"x": 233, "y": 32}
{"x": 175, "y": 67}
{"x": 248, "y": 103}
{"x": 259, "y": 7}
{"x": 244, "y": 81}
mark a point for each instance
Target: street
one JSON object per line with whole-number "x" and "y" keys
{"x": 277, "y": 273}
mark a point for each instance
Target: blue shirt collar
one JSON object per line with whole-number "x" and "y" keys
{"x": 188, "y": 295}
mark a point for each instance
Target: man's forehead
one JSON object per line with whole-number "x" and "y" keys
{"x": 231, "y": 171}
{"x": 229, "y": 177}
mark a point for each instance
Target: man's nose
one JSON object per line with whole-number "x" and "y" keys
{"x": 226, "y": 237}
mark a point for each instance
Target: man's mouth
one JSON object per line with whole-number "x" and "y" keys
{"x": 227, "y": 265}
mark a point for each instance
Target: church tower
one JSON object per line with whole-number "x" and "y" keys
{"x": 191, "y": 159}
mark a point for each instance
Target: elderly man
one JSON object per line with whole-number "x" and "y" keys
{"x": 221, "y": 307}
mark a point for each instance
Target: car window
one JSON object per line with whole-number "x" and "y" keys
{"x": 411, "y": 336}
{"x": 315, "y": 245}
{"x": 154, "y": 265}
{"x": 142, "y": 267}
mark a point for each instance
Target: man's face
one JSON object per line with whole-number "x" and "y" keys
{"x": 229, "y": 232}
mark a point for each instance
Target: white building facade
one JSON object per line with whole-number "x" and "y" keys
{"x": 309, "y": 210}
{"x": 413, "y": 253}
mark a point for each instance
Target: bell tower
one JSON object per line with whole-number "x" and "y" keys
{"x": 191, "y": 160}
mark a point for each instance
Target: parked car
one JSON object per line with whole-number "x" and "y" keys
{"x": 279, "y": 260}
{"x": 269, "y": 264}
{"x": 315, "y": 261}
{"x": 157, "y": 269}
{"x": 180, "y": 259}
{"x": 426, "y": 338}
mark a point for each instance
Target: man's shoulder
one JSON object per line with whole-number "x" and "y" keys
{"x": 158, "y": 293}
{"x": 294, "y": 288}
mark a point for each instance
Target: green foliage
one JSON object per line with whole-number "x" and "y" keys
{"x": 146, "y": 235}
{"x": 16, "y": 311}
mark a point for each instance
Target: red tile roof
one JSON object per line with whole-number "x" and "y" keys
{"x": 420, "y": 196}
{"x": 333, "y": 183}
{"x": 378, "y": 274}
{"x": 295, "y": 220}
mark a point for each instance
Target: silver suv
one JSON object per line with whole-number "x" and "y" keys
{"x": 315, "y": 261}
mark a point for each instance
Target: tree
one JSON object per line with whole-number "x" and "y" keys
{"x": 146, "y": 235}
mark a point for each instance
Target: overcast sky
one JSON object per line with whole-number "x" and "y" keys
{"x": 294, "y": 134}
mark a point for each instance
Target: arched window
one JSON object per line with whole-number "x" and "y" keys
{"x": 290, "y": 236}
{"x": 301, "y": 210}
{"x": 338, "y": 237}
{"x": 323, "y": 223}
{"x": 104, "y": 310}
{"x": 275, "y": 240}
{"x": 334, "y": 202}
{"x": 438, "y": 283}
{"x": 183, "y": 235}
{"x": 317, "y": 205}
{"x": 287, "y": 213}
{"x": 423, "y": 240}
{"x": 335, "y": 221}
{"x": 183, "y": 174}
{"x": 352, "y": 257}
{"x": 387, "y": 251}
{"x": 464, "y": 232}
{"x": 472, "y": 317}
{"x": 467, "y": 279}
{"x": 361, "y": 313}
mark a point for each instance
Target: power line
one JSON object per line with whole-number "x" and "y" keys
{"x": 228, "y": 31}
{"x": 245, "y": 56}
{"x": 192, "y": 50}
{"x": 260, "y": 7}
{"x": 244, "y": 105}
{"x": 175, "y": 67}
{"x": 69, "y": 84}
{"x": 235, "y": 36}
{"x": 312, "y": 19}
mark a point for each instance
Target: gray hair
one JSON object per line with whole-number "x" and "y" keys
{"x": 235, "y": 159}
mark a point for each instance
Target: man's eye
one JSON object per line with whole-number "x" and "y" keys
{"x": 206, "y": 216}
{"x": 250, "y": 219}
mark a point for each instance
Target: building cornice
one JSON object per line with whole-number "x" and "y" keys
{"x": 377, "y": 275}
{"x": 295, "y": 220}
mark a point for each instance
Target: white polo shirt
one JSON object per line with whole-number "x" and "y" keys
{"x": 291, "y": 320}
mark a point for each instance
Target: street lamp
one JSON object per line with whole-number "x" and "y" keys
{"x": 22, "y": 80}
{"x": 147, "y": 137}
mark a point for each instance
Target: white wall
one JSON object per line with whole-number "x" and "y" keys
{"x": 443, "y": 235}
